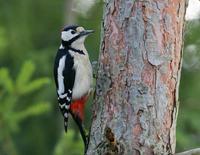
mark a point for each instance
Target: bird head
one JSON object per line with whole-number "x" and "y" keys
{"x": 74, "y": 34}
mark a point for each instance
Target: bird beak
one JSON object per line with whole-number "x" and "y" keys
{"x": 86, "y": 32}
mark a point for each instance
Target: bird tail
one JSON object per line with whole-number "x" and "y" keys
{"x": 64, "y": 108}
{"x": 84, "y": 135}
{"x": 66, "y": 115}
{"x": 65, "y": 124}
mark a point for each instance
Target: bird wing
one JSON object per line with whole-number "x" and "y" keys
{"x": 64, "y": 77}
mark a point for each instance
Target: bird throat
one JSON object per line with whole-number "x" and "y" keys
{"x": 67, "y": 45}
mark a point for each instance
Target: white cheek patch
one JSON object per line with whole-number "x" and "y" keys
{"x": 66, "y": 35}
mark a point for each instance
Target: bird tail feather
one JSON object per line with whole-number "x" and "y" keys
{"x": 66, "y": 124}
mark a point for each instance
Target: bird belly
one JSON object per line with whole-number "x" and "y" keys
{"x": 83, "y": 78}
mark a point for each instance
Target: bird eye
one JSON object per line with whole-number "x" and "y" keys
{"x": 73, "y": 32}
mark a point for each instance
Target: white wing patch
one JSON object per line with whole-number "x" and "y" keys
{"x": 61, "y": 87}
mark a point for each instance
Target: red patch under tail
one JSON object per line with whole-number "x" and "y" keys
{"x": 77, "y": 107}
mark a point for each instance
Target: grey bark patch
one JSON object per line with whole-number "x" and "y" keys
{"x": 157, "y": 59}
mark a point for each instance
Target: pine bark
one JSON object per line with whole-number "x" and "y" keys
{"x": 136, "y": 102}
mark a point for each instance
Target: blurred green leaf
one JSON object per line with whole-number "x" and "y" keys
{"x": 5, "y": 80}
{"x": 34, "y": 110}
{"x": 35, "y": 85}
{"x": 67, "y": 143}
{"x": 12, "y": 110}
{"x": 25, "y": 74}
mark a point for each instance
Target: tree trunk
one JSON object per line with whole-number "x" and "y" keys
{"x": 69, "y": 14}
{"x": 136, "y": 102}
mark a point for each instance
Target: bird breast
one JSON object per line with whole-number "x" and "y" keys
{"x": 83, "y": 76}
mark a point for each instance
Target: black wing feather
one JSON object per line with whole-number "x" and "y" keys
{"x": 69, "y": 77}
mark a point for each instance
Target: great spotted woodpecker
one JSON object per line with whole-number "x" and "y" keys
{"x": 73, "y": 75}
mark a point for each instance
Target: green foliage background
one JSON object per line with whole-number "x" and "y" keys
{"x": 30, "y": 121}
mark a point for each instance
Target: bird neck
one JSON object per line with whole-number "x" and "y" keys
{"x": 77, "y": 47}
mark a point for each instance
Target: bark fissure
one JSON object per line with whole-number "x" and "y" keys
{"x": 136, "y": 101}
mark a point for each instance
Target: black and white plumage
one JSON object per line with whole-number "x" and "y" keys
{"x": 64, "y": 78}
{"x": 73, "y": 74}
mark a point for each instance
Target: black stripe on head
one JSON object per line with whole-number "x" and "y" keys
{"x": 70, "y": 27}
{"x": 67, "y": 28}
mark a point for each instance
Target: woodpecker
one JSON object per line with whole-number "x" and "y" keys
{"x": 73, "y": 75}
